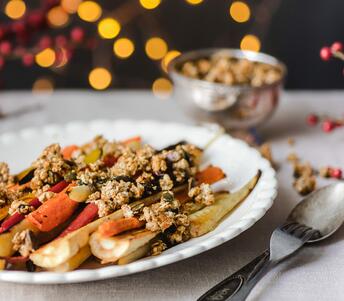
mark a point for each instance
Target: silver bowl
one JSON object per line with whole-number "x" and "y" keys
{"x": 233, "y": 107}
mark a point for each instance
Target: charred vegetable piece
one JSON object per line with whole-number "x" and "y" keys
{"x": 206, "y": 219}
{"x": 93, "y": 156}
{"x": 87, "y": 215}
{"x": 25, "y": 176}
{"x": 79, "y": 193}
{"x": 53, "y": 212}
{"x": 4, "y": 212}
{"x": 17, "y": 217}
{"x": 135, "y": 255}
{"x": 110, "y": 249}
{"x": 73, "y": 262}
{"x": 68, "y": 151}
{"x": 112, "y": 228}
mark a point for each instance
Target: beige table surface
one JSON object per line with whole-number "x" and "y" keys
{"x": 315, "y": 273}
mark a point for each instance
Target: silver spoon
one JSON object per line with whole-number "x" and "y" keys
{"x": 315, "y": 218}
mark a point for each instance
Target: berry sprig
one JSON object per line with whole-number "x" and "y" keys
{"x": 327, "y": 124}
{"x": 335, "y": 51}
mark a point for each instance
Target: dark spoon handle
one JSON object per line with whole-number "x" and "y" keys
{"x": 229, "y": 286}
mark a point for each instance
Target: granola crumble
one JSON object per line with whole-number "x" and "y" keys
{"x": 166, "y": 183}
{"x": 202, "y": 194}
{"x": 50, "y": 167}
{"x": 22, "y": 243}
{"x": 157, "y": 248}
{"x": 5, "y": 176}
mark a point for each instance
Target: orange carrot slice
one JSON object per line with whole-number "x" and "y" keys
{"x": 210, "y": 175}
{"x": 115, "y": 227}
{"x": 53, "y": 212}
{"x": 68, "y": 151}
{"x": 132, "y": 139}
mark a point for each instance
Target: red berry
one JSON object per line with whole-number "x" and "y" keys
{"x": 312, "y": 119}
{"x": 325, "y": 53}
{"x": 77, "y": 34}
{"x": 36, "y": 19}
{"x": 18, "y": 27}
{"x": 336, "y": 173}
{"x": 328, "y": 126}
{"x": 5, "y": 47}
{"x": 61, "y": 41}
{"x": 337, "y": 46}
{"x": 27, "y": 59}
{"x": 45, "y": 42}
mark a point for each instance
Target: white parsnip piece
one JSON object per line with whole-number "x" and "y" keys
{"x": 74, "y": 262}
{"x": 110, "y": 249}
{"x": 206, "y": 219}
{"x": 135, "y": 255}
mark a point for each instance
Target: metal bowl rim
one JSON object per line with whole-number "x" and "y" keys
{"x": 237, "y": 53}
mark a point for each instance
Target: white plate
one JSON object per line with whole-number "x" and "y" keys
{"x": 237, "y": 159}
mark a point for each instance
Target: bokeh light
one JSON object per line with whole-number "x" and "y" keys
{"x": 89, "y": 11}
{"x": 109, "y": 28}
{"x": 70, "y": 6}
{"x": 162, "y": 88}
{"x": 156, "y": 48}
{"x": 100, "y": 78}
{"x": 15, "y": 9}
{"x": 168, "y": 58}
{"x": 45, "y": 58}
{"x": 150, "y": 4}
{"x": 194, "y": 2}
{"x": 240, "y": 11}
{"x": 57, "y": 16}
{"x": 43, "y": 86}
{"x": 123, "y": 48}
{"x": 250, "y": 42}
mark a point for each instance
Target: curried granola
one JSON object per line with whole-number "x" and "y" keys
{"x": 224, "y": 69}
{"x": 22, "y": 243}
{"x": 49, "y": 167}
{"x": 5, "y": 177}
{"x": 202, "y": 194}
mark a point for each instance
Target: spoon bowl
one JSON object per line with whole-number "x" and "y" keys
{"x": 322, "y": 210}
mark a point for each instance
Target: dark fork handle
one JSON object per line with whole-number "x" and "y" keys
{"x": 228, "y": 287}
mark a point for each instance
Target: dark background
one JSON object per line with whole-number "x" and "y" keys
{"x": 292, "y": 30}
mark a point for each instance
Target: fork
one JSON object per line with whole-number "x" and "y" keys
{"x": 284, "y": 241}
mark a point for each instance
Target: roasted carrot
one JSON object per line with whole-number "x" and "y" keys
{"x": 210, "y": 175}
{"x": 53, "y": 212}
{"x": 18, "y": 217}
{"x": 132, "y": 139}
{"x": 67, "y": 151}
{"x": 87, "y": 215}
{"x": 115, "y": 227}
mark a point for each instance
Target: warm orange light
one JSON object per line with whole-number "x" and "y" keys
{"x": 99, "y": 78}
{"x": 194, "y": 2}
{"x": 240, "y": 11}
{"x": 89, "y": 11}
{"x": 168, "y": 58}
{"x": 45, "y": 58}
{"x": 70, "y": 6}
{"x": 15, "y": 9}
{"x": 162, "y": 88}
{"x": 57, "y": 17}
{"x": 42, "y": 86}
{"x": 156, "y": 48}
{"x": 123, "y": 48}
{"x": 109, "y": 28}
{"x": 150, "y": 4}
{"x": 250, "y": 42}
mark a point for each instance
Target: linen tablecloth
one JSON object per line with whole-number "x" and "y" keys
{"x": 315, "y": 273}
